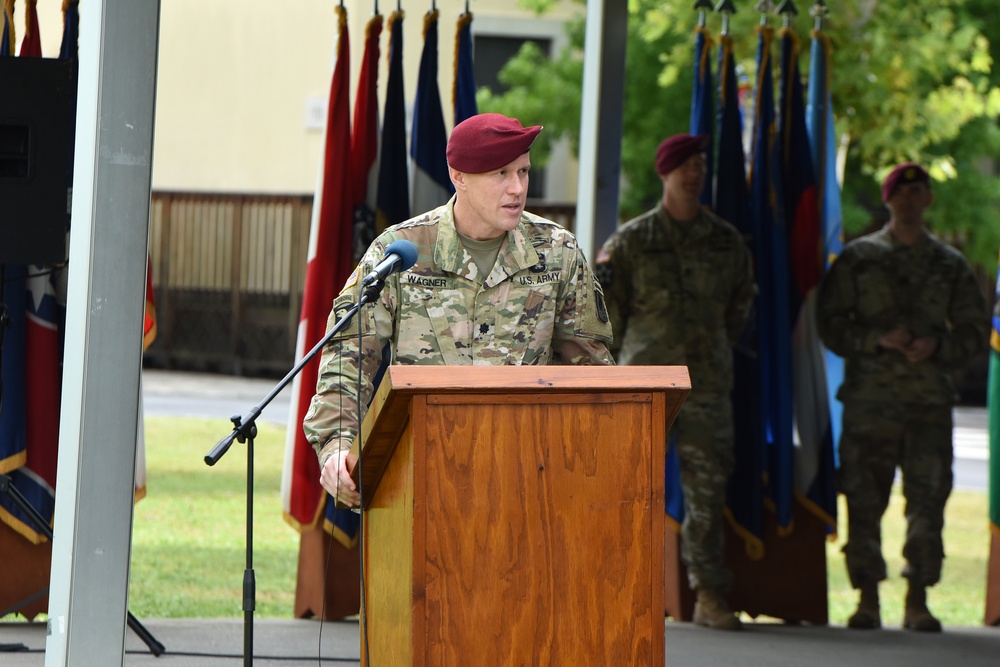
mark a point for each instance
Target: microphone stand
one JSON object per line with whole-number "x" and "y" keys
{"x": 245, "y": 430}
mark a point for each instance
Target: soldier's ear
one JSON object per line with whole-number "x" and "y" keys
{"x": 457, "y": 178}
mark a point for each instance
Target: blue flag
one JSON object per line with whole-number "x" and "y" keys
{"x": 745, "y": 487}
{"x": 393, "y": 197}
{"x": 702, "y": 104}
{"x": 431, "y": 183}
{"x": 993, "y": 405}
{"x": 68, "y": 49}
{"x": 770, "y": 250}
{"x": 7, "y": 38}
{"x": 702, "y": 123}
{"x": 464, "y": 94}
{"x": 814, "y": 472}
{"x": 823, "y": 147}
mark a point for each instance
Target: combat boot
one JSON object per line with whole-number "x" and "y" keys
{"x": 917, "y": 616}
{"x": 867, "y": 616}
{"x": 711, "y": 611}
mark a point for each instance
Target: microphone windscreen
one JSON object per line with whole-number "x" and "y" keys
{"x": 406, "y": 250}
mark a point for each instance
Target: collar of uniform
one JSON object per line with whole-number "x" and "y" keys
{"x": 919, "y": 245}
{"x": 697, "y": 227}
{"x": 516, "y": 255}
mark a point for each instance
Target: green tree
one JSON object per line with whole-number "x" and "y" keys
{"x": 910, "y": 81}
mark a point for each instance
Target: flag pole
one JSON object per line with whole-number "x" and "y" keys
{"x": 727, "y": 9}
{"x": 702, "y": 7}
{"x": 764, "y": 7}
{"x": 787, "y": 10}
{"x": 819, "y": 11}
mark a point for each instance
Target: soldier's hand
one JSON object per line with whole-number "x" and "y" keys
{"x": 921, "y": 348}
{"x": 336, "y": 478}
{"x": 896, "y": 339}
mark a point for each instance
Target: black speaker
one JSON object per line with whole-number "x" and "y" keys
{"x": 37, "y": 120}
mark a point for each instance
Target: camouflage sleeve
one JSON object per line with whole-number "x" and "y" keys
{"x": 331, "y": 423}
{"x": 583, "y": 331}
{"x": 835, "y": 309}
{"x": 616, "y": 281}
{"x": 744, "y": 293}
{"x": 969, "y": 318}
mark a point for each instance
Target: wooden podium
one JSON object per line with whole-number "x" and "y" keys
{"x": 514, "y": 515}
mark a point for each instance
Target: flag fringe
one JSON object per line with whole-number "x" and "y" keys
{"x": 815, "y": 509}
{"x": 306, "y": 527}
{"x": 13, "y": 462}
{"x": 752, "y": 543}
{"x": 338, "y": 534}
{"x": 21, "y": 528}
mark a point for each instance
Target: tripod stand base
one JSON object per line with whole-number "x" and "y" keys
{"x": 24, "y": 573}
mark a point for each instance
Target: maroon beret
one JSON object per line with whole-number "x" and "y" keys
{"x": 488, "y": 141}
{"x": 675, "y": 150}
{"x": 908, "y": 172}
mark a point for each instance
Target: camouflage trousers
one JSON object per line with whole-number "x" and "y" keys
{"x": 877, "y": 438}
{"x": 704, "y": 440}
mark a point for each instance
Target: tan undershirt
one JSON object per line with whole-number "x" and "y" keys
{"x": 484, "y": 253}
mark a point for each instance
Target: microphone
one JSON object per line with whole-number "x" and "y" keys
{"x": 399, "y": 256}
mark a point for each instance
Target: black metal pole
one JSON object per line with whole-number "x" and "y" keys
{"x": 249, "y": 583}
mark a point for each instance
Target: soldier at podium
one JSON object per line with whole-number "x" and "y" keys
{"x": 680, "y": 288}
{"x": 492, "y": 285}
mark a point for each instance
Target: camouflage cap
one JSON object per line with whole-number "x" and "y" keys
{"x": 675, "y": 150}
{"x": 908, "y": 172}
{"x": 488, "y": 141}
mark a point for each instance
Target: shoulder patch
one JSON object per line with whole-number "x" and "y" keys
{"x": 352, "y": 280}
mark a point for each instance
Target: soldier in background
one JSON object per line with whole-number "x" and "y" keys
{"x": 679, "y": 289}
{"x": 493, "y": 284}
{"x": 905, "y": 311}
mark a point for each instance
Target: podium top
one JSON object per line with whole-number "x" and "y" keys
{"x": 502, "y": 379}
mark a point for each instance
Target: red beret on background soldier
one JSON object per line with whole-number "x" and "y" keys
{"x": 679, "y": 289}
{"x": 908, "y": 172}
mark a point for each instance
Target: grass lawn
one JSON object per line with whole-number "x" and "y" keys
{"x": 189, "y": 536}
{"x": 959, "y": 599}
{"x": 188, "y": 543}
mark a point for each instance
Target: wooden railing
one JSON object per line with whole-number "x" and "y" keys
{"x": 228, "y": 274}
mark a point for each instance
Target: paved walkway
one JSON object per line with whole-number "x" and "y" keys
{"x": 194, "y": 642}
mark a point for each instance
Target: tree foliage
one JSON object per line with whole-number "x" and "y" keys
{"x": 910, "y": 81}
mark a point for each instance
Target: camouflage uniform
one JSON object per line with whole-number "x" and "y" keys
{"x": 898, "y": 413}
{"x": 679, "y": 298}
{"x": 541, "y": 304}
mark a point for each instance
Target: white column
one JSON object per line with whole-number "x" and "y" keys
{"x": 601, "y": 122}
{"x": 88, "y": 591}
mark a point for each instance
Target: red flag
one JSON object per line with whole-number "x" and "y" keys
{"x": 329, "y": 264}
{"x": 32, "y": 44}
{"x": 364, "y": 142}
